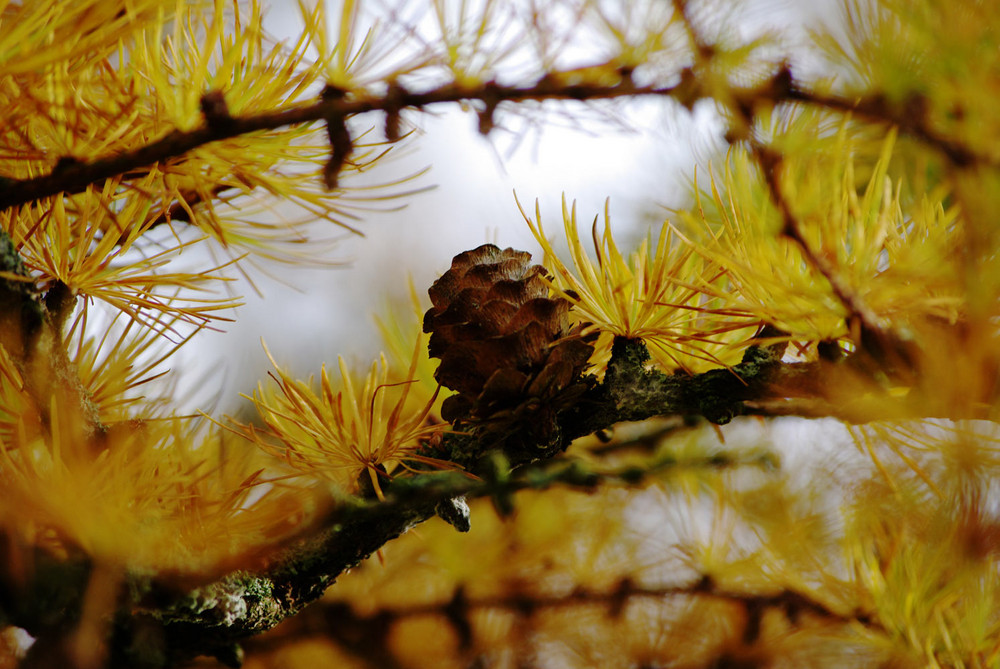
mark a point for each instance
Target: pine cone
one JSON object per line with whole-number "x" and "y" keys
{"x": 505, "y": 346}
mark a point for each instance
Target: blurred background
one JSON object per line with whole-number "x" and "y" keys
{"x": 639, "y": 155}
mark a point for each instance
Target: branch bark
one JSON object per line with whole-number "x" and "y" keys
{"x": 74, "y": 176}
{"x": 170, "y": 624}
{"x": 165, "y": 620}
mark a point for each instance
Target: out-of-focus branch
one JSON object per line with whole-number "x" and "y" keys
{"x": 31, "y": 334}
{"x": 163, "y": 620}
{"x": 214, "y": 618}
{"x": 338, "y": 621}
{"x": 172, "y": 622}
{"x": 910, "y": 116}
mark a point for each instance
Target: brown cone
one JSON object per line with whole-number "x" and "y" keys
{"x": 505, "y": 346}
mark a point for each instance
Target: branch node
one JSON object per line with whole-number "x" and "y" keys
{"x": 491, "y": 98}
{"x": 340, "y": 149}
{"x": 59, "y": 302}
{"x": 455, "y": 512}
{"x": 393, "y": 102}
{"x": 66, "y": 164}
{"x": 782, "y": 85}
{"x": 768, "y": 354}
{"x": 688, "y": 91}
{"x": 495, "y": 470}
{"x": 215, "y": 110}
{"x": 333, "y": 92}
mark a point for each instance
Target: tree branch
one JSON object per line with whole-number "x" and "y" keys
{"x": 338, "y": 621}
{"x": 910, "y": 116}
{"x": 164, "y": 620}
{"x": 171, "y": 623}
{"x": 75, "y": 176}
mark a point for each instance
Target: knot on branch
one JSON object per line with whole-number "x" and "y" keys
{"x": 394, "y": 100}
{"x": 215, "y": 110}
{"x": 341, "y": 145}
{"x": 506, "y": 347}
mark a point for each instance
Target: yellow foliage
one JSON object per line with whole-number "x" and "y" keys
{"x": 933, "y": 58}
{"x": 13, "y": 402}
{"x": 658, "y": 295}
{"x": 93, "y": 456}
{"x": 900, "y": 260}
{"x": 927, "y": 566}
{"x": 84, "y": 242}
{"x": 118, "y": 367}
{"x": 36, "y": 36}
{"x": 882, "y": 556}
{"x": 158, "y": 495}
{"x": 350, "y": 60}
{"x": 347, "y": 430}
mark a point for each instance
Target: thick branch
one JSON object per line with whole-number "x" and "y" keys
{"x": 632, "y": 391}
{"x": 164, "y": 620}
{"x": 170, "y": 624}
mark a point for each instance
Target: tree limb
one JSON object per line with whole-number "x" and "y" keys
{"x": 75, "y": 176}
{"x": 167, "y": 624}
{"x": 164, "y": 620}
